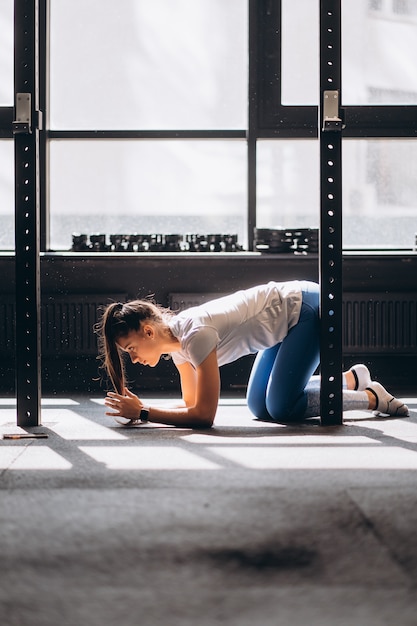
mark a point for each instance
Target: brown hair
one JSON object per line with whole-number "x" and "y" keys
{"x": 118, "y": 320}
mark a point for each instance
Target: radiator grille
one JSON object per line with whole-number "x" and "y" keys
{"x": 66, "y": 323}
{"x": 380, "y": 323}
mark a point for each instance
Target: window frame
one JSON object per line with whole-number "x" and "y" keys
{"x": 268, "y": 118}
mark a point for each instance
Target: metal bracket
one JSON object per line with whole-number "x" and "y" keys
{"x": 22, "y": 125}
{"x": 331, "y": 112}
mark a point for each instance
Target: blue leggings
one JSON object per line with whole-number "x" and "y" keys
{"x": 276, "y": 388}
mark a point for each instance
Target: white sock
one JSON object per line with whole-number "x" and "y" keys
{"x": 361, "y": 375}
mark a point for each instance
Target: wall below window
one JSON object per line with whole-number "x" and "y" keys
{"x": 380, "y": 305}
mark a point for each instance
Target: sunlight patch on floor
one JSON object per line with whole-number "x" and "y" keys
{"x": 320, "y": 457}
{"x": 280, "y": 440}
{"x": 32, "y": 458}
{"x": 44, "y": 402}
{"x": 148, "y": 458}
{"x": 71, "y": 426}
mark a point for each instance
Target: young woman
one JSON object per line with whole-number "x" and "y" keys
{"x": 278, "y": 321}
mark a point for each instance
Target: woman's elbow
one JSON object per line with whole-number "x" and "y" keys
{"x": 203, "y": 418}
{"x": 204, "y": 422}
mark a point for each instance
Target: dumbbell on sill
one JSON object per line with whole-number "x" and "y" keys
{"x": 156, "y": 242}
{"x": 286, "y": 241}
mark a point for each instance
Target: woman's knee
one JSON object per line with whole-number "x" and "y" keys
{"x": 285, "y": 412}
{"x": 256, "y": 405}
{"x": 279, "y": 414}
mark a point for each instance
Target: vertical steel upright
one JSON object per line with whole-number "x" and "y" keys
{"x": 27, "y": 262}
{"x": 252, "y": 130}
{"x": 331, "y": 288}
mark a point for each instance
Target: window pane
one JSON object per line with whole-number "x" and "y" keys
{"x": 6, "y": 53}
{"x": 379, "y": 51}
{"x": 288, "y": 184}
{"x": 379, "y": 47}
{"x": 379, "y": 193}
{"x": 379, "y": 190}
{"x": 7, "y": 194}
{"x": 151, "y": 64}
{"x": 300, "y": 52}
{"x": 126, "y": 187}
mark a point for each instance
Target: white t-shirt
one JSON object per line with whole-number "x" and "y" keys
{"x": 243, "y": 323}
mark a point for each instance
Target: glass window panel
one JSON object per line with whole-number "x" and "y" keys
{"x": 379, "y": 45}
{"x": 7, "y": 194}
{"x": 300, "y": 52}
{"x": 379, "y": 190}
{"x": 379, "y": 51}
{"x": 150, "y": 64}
{"x": 288, "y": 184}
{"x": 379, "y": 193}
{"x": 6, "y": 53}
{"x": 126, "y": 187}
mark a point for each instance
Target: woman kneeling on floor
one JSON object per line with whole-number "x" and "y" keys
{"x": 279, "y": 321}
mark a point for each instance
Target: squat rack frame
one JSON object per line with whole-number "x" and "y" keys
{"x": 331, "y": 253}
{"x": 30, "y": 140}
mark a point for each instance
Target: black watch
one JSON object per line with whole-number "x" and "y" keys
{"x": 144, "y": 415}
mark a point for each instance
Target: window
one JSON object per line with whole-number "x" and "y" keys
{"x": 378, "y": 58}
{"x": 146, "y": 187}
{"x": 152, "y": 66}
{"x": 372, "y": 73}
{"x": 6, "y": 145}
{"x": 6, "y": 53}
{"x": 300, "y": 54}
{"x": 197, "y": 116}
{"x": 378, "y": 175}
{"x": 288, "y": 184}
{"x": 7, "y": 194}
{"x": 379, "y": 193}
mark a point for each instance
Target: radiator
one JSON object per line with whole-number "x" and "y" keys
{"x": 67, "y": 323}
{"x": 379, "y": 323}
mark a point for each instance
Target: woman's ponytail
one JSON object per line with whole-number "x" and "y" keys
{"x": 110, "y": 355}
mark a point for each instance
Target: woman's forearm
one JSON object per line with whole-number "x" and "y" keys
{"x": 189, "y": 417}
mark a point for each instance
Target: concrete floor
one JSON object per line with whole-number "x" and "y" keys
{"x": 246, "y": 524}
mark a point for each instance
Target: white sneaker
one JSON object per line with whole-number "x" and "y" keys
{"x": 386, "y": 404}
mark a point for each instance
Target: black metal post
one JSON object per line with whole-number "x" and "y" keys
{"x": 252, "y": 119}
{"x": 331, "y": 288}
{"x": 27, "y": 262}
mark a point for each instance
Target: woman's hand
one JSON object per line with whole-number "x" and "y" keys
{"x": 200, "y": 388}
{"x": 128, "y": 406}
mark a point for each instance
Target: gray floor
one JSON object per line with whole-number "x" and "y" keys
{"x": 246, "y": 524}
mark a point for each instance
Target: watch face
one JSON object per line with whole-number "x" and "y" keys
{"x": 144, "y": 415}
